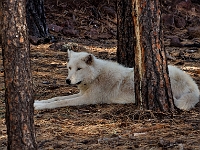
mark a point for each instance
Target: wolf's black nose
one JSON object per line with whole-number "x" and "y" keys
{"x": 68, "y": 81}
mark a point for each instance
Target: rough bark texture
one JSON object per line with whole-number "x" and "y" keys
{"x": 152, "y": 84}
{"x": 0, "y": 20}
{"x": 125, "y": 32}
{"x": 18, "y": 80}
{"x": 36, "y": 21}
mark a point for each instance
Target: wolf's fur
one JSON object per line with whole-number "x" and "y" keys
{"x": 102, "y": 81}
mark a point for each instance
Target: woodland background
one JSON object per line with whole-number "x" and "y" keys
{"x": 90, "y": 25}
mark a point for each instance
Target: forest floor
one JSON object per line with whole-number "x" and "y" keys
{"x": 103, "y": 126}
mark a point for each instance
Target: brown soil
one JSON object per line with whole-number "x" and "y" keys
{"x": 102, "y": 126}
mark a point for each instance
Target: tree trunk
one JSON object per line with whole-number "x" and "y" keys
{"x": 125, "y": 32}
{"x": 18, "y": 80}
{"x": 1, "y": 21}
{"x": 36, "y": 22}
{"x": 152, "y": 84}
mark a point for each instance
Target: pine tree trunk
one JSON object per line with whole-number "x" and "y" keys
{"x": 18, "y": 80}
{"x": 125, "y": 32}
{"x": 0, "y": 21}
{"x": 36, "y": 22}
{"x": 152, "y": 84}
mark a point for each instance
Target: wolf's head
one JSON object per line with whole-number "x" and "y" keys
{"x": 80, "y": 67}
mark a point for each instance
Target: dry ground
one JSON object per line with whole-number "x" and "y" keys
{"x": 101, "y": 126}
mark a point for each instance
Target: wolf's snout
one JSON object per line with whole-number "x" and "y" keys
{"x": 68, "y": 81}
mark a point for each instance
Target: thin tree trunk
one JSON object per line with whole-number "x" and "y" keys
{"x": 125, "y": 32}
{"x": 152, "y": 84}
{"x": 18, "y": 80}
{"x": 1, "y": 21}
{"x": 36, "y": 22}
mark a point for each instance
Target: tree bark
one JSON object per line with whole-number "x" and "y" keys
{"x": 152, "y": 84}
{"x": 18, "y": 79}
{"x": 125, "y": 33}
{"x": 36, "y": 22}
{"x": 1, "y": 21}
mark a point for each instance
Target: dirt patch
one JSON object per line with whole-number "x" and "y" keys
{"x": 103, "y": 126}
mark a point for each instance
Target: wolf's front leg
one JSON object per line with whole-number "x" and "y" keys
{"x": 81, "y": 100}
{"x": 59, "y": 98}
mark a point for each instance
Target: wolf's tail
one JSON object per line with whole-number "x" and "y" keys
{"x": 187, "y": 101}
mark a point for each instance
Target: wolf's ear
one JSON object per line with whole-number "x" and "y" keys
{"x": 89, "y": 59}
{"x": 70, "y": 52}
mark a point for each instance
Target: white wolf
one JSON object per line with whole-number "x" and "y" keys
{"x": 102, "y": 81}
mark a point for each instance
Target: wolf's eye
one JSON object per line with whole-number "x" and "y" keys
{"x": 70, "y": 68}
{"x": 79, "y": 68}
